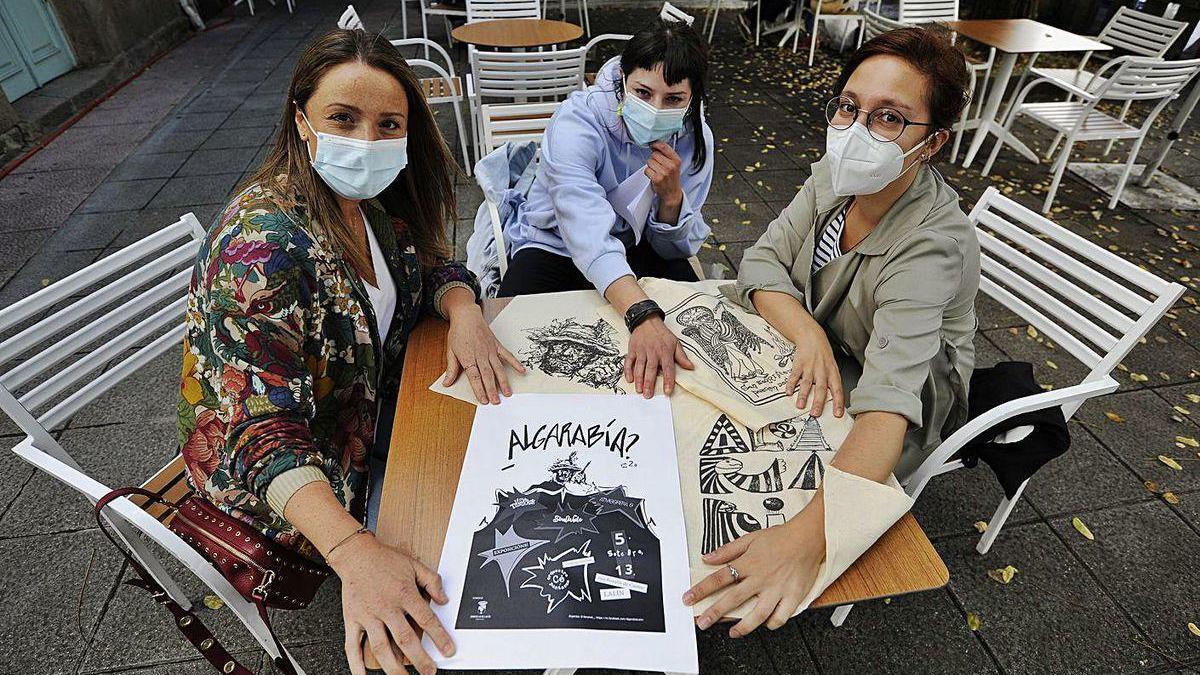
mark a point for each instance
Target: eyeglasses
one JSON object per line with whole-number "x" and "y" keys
{"x": 884, "y": 124}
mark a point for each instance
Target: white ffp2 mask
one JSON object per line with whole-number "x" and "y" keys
{"x": 357, "y": 169}
{"x": 861, "y": 164}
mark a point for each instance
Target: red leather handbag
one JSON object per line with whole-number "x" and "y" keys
{"x": 262, "y": 571}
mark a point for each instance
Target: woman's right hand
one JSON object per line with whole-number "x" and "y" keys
{"x": 381, "y": 598}
{"x": 815, "y": 371}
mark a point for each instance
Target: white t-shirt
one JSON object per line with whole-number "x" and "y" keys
{"x": 383, "y": 298}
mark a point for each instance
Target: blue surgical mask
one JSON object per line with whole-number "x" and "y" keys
{"x": 647, "y": 124}
{"x": 354, "y": 168}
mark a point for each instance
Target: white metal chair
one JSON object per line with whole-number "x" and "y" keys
{"x": 486, "y": 10}
{"x": 589, "y": 78}
{"x": 1134, "y": 32}
{"x": 850, "y": 14}
{"x": 1092, "y": 303}
{"x": 446, "y": 88}
{"x": 581, "y": 6}
{"x": 250, "y": 5}
{"x": 875, "y": 24}
{"x": 1125, "y": 79}
{"x": 126, "y": 308}
{"x": 502, "y": 123}
{"x": 521, "y": 77}
{"x": 430, "y": 8}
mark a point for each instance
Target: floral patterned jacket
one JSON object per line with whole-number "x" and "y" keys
{"x": 281, "y": 359}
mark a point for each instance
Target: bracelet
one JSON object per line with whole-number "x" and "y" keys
{"x": 640, "y": 311}
{"x": 345, "y": 539}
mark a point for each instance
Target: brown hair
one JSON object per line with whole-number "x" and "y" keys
{"x": 931, "y": 53}
{"x": 422, "y": 196}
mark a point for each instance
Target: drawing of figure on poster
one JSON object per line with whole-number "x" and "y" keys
{"x": 751, "y": 479}
{"x": 583, "y": 352}
{"x": 565, "y": 553}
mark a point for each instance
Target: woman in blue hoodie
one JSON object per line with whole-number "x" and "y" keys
{"x": 626, "y": 166}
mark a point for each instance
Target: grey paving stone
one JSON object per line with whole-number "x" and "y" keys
{"x": 739, "y": 222}
{"x": 35, "y": 200}
{"x": 85, "y": 232}
{"x": 245, "y": 137}
{"x": 1053, "y": 617}
{"x": 188, "y": 191}
{"x": 14, "y": 473}
{"x": 726, "y": 186}
{"x": 17, "y": 247}
{"x": 226, "y": 160}
{"x": 215, "y": 103}
{"x": 321, "y": 657}
{"x": 140, "y": 224}
{"x": 160, "y": 165}
{"x": 724, "y": 655}
{"x": 39, "y": 592}
{"x": 992, "y": 314}
{"x": 1145, "y": 557}
{"x": 881, "y": 637}
{"x": 469, "y": 199}
{"x": 241, "y": 119}
{"x": 780, "y": 185}
{"x": 1146, "y": 432}
{"x": 953, "y": 502}
{"x": 249, "y": 659}
{"x": 757, "y": 158}
{"x": 199, "y": 120}
{"x": 126, "y": 195}
{"x": 117, "y": 455}
{"x": 1087, "y": 477}
{"x": 170, "y": 140}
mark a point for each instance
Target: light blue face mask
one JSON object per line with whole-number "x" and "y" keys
{"x": 357, "y": 169}
{"x": 647, "y": 124}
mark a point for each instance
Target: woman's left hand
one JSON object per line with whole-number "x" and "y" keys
{"x": 472, "y": 347}
{"x": 777, "y": 566}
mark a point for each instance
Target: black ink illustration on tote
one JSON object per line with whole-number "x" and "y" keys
{"x": 585, "y": 353}
{"x": 565, "y": 553}
{"x": 743, "y": 474}
{"x": 752, "y": 365}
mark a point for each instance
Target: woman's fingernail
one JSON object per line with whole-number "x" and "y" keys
{"x": 688, "y": 598}
{"x": 733, "y": 633}
{"x": 704, "y": 622}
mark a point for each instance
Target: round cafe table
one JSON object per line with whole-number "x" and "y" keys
{"x": 517, "y": 33}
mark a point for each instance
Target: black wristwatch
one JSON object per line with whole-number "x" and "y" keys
{"x": 640, "y": 311}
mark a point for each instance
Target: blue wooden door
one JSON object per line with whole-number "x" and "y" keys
{"x": 33, "y": 50}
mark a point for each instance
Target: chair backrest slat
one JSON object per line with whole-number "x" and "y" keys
{"x": 485, "y": 10}
{"x": 1141, "y": 78}
{"x": 514, "y": 122}
{"x": 1141, "y": 33}
{"x": 1025, "y": 265}
{"x": 924, "y": 11}
{"x": 877, "y": 24}
{"x": 512, "y": 75}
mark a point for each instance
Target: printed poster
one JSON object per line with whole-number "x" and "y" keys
{"x": 567, "y": 537}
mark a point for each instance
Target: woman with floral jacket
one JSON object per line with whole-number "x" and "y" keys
{"x": 302, "y": 299}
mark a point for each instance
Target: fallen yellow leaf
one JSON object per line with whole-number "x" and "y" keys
{"x": 1114, "y": 417}
{"x": 1151, "y": 486}
{"x": 1083, "y": 529}
{"x": 1138, "y": 377}
{"x": 1003, "y": 575}
{"x": 1188, "y": 441}
{"x": 1031, "y": 331}
{"x": 1170, "y": 497}
{"x": 975, "y": 623}
{"x": 1181, "y": 410}
{"x": 981, "y": 526}
{"x": 1194, "y": 398}
{"x": 1052, "y": 364}
{"x": 213, "y": 602}
{"x": 1170, "y": 462}
{"x": 1194, "y": 629}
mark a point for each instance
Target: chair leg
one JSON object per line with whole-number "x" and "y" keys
{"x": 1059, "y": 167}
{"x": 1112, "y": 141}
{"x": 462, "y": 136}
{"x": 812, "y": 46}
{"x": 403, "y": 17}
{"x": 998, "y": 520}
{"x": 987, "y": 167}
{"x": 1133, "y": 153}
{"x": 712, "y": 29}
{"x": 425, "y": 28}
{"x": 840, "y": 614}
{"x": 757, "y": 22}
{"x": 587, "y": 20}
{"x": 254, "y": 623}
{"x": 962, "y": 123}
{"x": 1054, "y": 144}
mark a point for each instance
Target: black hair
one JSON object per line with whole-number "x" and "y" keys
{"x": 683, "y": 54}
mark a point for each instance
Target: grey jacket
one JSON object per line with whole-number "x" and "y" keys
{"x": 899, "y": 307}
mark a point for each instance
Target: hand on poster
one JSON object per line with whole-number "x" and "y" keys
{"x": 815, "y": 372}
{"x": 653, "y": 346}
{"x": 775, "y": 567}
{"x": 473, "y": 349}
{"x": 381, "y": 602}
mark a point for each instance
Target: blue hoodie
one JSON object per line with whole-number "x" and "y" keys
{"x": 586, "y": 154}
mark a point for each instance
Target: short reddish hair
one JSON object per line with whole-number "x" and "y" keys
{"x": 931, "y": 53}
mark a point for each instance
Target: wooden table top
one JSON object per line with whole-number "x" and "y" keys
{"x": 514, "y": 33}
{"x": 1024, "y": 36}
{"x": 429, "y": 442}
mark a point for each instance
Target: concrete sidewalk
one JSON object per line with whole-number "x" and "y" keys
{"x": 179, "y": 138}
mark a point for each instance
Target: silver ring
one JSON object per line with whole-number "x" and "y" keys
{"x": 734, "y": 573}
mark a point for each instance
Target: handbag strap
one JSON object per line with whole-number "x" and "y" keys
{"x": 190, "y": 625}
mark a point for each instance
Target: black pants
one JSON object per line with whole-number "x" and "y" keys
{"x": 533, "y": 270}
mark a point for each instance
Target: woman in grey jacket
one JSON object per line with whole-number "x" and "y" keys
{"x": 872, "y": 272}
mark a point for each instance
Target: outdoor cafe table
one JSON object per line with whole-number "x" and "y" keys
{"x": 1011, "y": 37}
{"x": 429, "y": 441}
{"x": 516, "y": 33}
